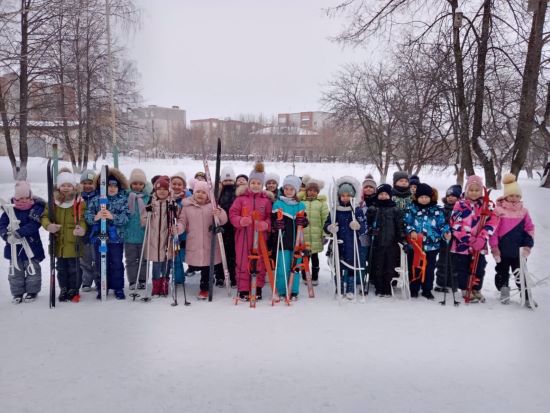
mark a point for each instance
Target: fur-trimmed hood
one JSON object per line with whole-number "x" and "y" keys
{"x": 353, "y": 182}
{"x": 117, "y": 174}
{"x": 243, "y": 190}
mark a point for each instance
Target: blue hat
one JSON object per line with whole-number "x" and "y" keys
{"x": 454, "y": 190}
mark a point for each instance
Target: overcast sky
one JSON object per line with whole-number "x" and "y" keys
{"x": 219, "y": 58}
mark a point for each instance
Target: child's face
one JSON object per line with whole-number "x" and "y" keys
{"x": 241, "y": 181}
{"x": 413, "y": 189}
{"x": 200, "y": 178}
{"x": 451, "y": 199}
{"x": 312, "y": 193}
{"x": 424, "y": 200}
{"x": 66, "y": 189}
{"x": 24, "y": 199}
{"x": 513, "y": 198}
{"x": 87, "y": 185}
{"x": 345, "y": 198}
{"x": 289, "y": 191}
{"x": 255, "y": 185}
{"x": 177, "y": 186}
{"x": 137, "y": 186}
{"x": 200, "y": 196}
{"x": 474, "y": 192}
{"x": 368, "y": 190}
{"x": 112, "y": 189}
{"x": 383, "y": 196}
{"x": 227, "y": 182}
{"x": 402, "y": 183}
{"x": 271, "y": 186}
{"x": 162, "y": 193}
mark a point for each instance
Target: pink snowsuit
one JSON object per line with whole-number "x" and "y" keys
{"x": 244, "y": 236}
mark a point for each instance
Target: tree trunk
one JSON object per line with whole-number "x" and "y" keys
{"x": 529, "y": 89}
{"x": 23, "y": 91}
{"x": 7, "y": 132}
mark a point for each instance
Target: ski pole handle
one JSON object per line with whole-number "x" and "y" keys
{"x": 280, "y": 214}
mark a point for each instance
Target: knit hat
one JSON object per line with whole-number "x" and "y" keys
{"x": 400, "y": 175}
{"x": 201, "y": 186}
{"x": 137, "y": 175}
{"x": 227, "y": 174}
{"x": 510, "y": 185}
{"x": 87, "y": 175}
{"x": 162, "y": 183}
{"x": 22, "y": 190}
{"x": 414, "y": 180}
{"x": 315, "y": 185}
{"x": 384, "y": 188}
{"x": 200, "y": 174}
{"x": 257, "y": 173}
{"x": 241, "y": 176}
{"x": 453, "y": 190}
{"x": 349, "y": 185}
{"x": 179, "y": 175}
{"x": 347, "y": 189}
{"x": 293, "y": 181}
{"x": 272, "y": 177}
{"x": 65, "y": 178}
{"x": 474, "y": 179}
{"x": 423, "y": 190}
{"x": 369, "y": 181}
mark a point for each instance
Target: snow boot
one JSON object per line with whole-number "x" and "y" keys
{"x": 17, "y": 299}
{"x": 164, "y": 281}
{"x": 203, "y": 295}
{"x": 428, "y": 295}
{"x": 244, "y": 295}
{"x": 30, "y": 297}
{"x": 119, "y": 295}
{"x": 86, "y": 288}
{"x": 258, "y": 293}
{"x": 156, "y": 286}
{"x": 478, "y": 296}
{"x": 141, "y": 285}
{"x": 132, "y": 287}
{"x": 72, "y": 295}
{"x": 294, "y": 297}
{"x": 63, "y": 295}
{"x": 220, "y": 283}
{"x": 505, "y": 295}
{"x": 350, "y": 296}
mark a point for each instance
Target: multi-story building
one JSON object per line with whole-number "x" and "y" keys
{"x": 284, "y": 143}
{"x": 307, "y": 120}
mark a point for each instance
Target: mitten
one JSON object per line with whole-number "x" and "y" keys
{"x": 79, "y": 231}
{"x": 477, "y": 243}
{"x": 525, "y": 252}
{"x": 333, "y": 228}
{"x": 53, "y": 228}
{"x": 354, "y": 225}
{"x": 245, "y": 221}
{"x": 262, "y": 226}
{"x": 279, "y": 224}
{"x": 300, "y": 220}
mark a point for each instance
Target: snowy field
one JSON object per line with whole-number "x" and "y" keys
{"x": 316, "y": 356}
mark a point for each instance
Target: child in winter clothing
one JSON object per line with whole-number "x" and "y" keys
{"x": 117, "y": 216}
{"x": 367, "y": 200}
{"x": 385, "y": 224}
{"x": 68, "y": 229}
{"x": 196, "y": 220}
{"x": 401, "y": 193}
{"x": 317, "y": 213}
{"x": 414, "y": 181}
{"x": 227, "y": 197}
{"x": 515, "y": 230}
{"x": 134, "y": 233}
{"x": 350, "y": 225}
{"x": 443, "y": 279}
{"x": 157, "y": 246}
{"x": 179, "y": 191}
{"x": 241, "y": 179}
{"x": 272, "y": 184}
{"x": 87, "y": 193}
{"x": 469, "y": 236}
{"x": 250, "y": 200}
{"x": 25, "y": 277}
{"x": 290, "y": 207}
{"x": 425, "y": 217}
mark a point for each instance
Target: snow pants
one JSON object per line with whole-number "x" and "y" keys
{"x": 502, "y": 276}
{"x": 243, "y": 272}
{"x": 115, "y": 266}
{"x": 87, "y": 265}
{"x": 384, "y": 267}
{"x": 205, "y": 275}
{"x": 132, "y": 253}
{"x": 461, "y": 269}
{"x": 22, "y": 282}
{"x": 67, "y": 273}
{"x": 284, "y": 263}
{"x": 428, "y": 284}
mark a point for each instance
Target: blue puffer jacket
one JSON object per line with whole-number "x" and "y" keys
{"x": 87, "y": 197}
{"x": 429, "y": 221}
{"x": 118, "y": 207}
{"x": 344, "y": 215}
{"x": 29, "y": 225}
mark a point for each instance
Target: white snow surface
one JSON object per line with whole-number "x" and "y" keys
{"x": 386, "y": 355}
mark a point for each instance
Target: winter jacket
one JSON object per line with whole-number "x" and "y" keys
{"x": 252, "y": 201}
{"x": 344, "y": 215}
{"x": 29, "y": 226}
{"x": 402, "y": 198}
{"x": 366, "y": 203}
{"x": 158, "y": 247}
{"x": 317, "y": 213}
{"x": 134, "y": 232}
{"x": 385, "y": 223}
{"x": 118, "y": 206}
{"x": 65, "y": 241}
{"x": 429, "y": 221}
{"x": 197, "y": 220}
{"x": 515, "y": 228}
{"x": 465, "y": 221}
{"x": 290, "y": 208}
{"x": 87, "y": 197}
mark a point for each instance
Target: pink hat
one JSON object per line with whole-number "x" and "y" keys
{"x": 22, "y": 190}
{"x": 474, "y": 179}
{"x": 201, "y": 186}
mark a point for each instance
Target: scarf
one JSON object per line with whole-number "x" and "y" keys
{"x": 23, "y": 205}
{"x": 133, "y": 198}
{"x": 288, "y": 201}
{"x": 510, "y": 209}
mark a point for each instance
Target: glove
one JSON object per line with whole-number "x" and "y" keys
{"x": 79, "y": 231}
{"x": 354, "y": 225}
{"x": 408, "y": 248}
{"x": 13, "y": 238}
{"x": 53, "y": 228}
{"x": 149, "y": 207}
{"x": 477, "y": 243}
{"x": 333, "y": 228}
{"x": 279, "y": 224}
{"x": 496, "y": 254}
{"x": 300, "y": 221}
{"x": 245, "y": 221}
{"x": 262, "y": 226}
{"x": 525, "y": 252}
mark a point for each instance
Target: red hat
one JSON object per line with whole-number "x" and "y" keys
{"x": 162, "y": 183}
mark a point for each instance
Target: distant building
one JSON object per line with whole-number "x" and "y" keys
{"x": 307, "y": 120}
{"x": 284, "y": 143}
{"x": 157, "y": 129}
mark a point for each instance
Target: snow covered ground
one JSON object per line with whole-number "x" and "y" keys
{"x": 316, "y": 356}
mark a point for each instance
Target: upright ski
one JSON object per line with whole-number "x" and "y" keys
{"x": 103, "y": 236}
{"x": 51, "y": 217}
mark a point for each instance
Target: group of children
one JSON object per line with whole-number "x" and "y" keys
{"x": 165, "y": 223}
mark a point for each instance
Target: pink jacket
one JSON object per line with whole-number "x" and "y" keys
{"x": 466, "y": 220}
{"x": 196, "y": 220}
{"x": 515, "y": 228}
